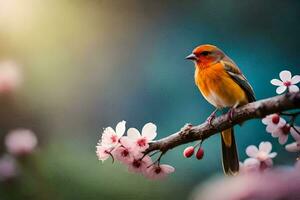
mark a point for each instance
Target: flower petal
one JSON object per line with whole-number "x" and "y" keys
{"x": 265, "y": 147}
{"x": 120, "y": 128}
{"x": 281, "y": 89}
{"x": 126, "y": 142}
{"x": 282, "y": 122}
{"x": 267, "y": 120}
{"x": 109, "y": 130}
{"x": 149, "y": 131}
{"x": 285, "y": 75}
{"x": 293, "y": 147}
{"x": 276, "y": 82}
{"x": 271, "y": 128}
{"x": 293, "y": 88}
{"x": 251, "y": 161}
{"x": 133, "y": 133}
{"x": 272, "y": 155}
{"x": 295, "y": 79}
{"x": 283, "y": 139}
{"x": 295, "y": 134}
{"x": 252, "y": 151}
{"x": 167, "y": 168}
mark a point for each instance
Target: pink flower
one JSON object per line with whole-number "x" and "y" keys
{"x": 8, "y": 168}
{"x": 10, "y": 76}
{"x": 103, "y": 152}
{"x": 159, "y": 171}
{"x": 262, "y": 153}
{"x": 250, "y": 165}
{"x": 20, "y": 142}
{"x": 139, "y": 165}
{"x": 278, "y": 127}
{"x": 125, "y": 152}
{"x": 110, "y": 137}
{"x": 141, "y": 140}
{"x": 295, "y": 146}
{"x": 273, "y": 121}
{"x": 286, "y": 82}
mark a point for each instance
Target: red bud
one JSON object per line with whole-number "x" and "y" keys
{"x": 275, "y": 118}
{"x": 200, "y": 153}
{"x": 286, "y": 129}
{"x": 188, "y": 152}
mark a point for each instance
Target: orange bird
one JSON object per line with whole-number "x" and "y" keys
{"x": 223, "y": 85}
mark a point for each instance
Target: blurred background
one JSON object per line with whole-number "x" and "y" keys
{"x": 88, "y": 64}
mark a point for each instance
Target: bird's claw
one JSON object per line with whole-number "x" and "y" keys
{"x": 210, "y": 118}
{"x": 230, "y": 114}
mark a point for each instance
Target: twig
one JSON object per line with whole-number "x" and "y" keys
{"x": 258, "y": 109}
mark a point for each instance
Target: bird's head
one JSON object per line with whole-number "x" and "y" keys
{"x": 205, "y": 55}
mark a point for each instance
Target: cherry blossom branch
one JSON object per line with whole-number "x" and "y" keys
{"x": 258, "y": 109}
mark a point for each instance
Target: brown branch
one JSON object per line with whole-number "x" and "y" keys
{"x": 258, "y": 109}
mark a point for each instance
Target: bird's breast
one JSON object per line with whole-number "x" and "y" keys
{"x": 218, "y": 88}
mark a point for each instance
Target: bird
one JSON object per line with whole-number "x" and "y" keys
{"x": 223, "y": 85}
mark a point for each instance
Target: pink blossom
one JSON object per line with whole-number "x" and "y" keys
{"x": 103, "y": 152}
{"x": 278, "y": 127}
{"x": 159, "y": 171}
{"x": 10, "y": 76}
{"x": 141, "y": 140}
{"x": 295, "y": 146}
{"x": 262, "y": 153}
{"x": 139, "y": 164}
{"x": 286, "y": 82}
{"x": 8, "y": 168}
{"x": 125, "y": 152}
{"x": 110, "y": 137}
{"x": 20, "y": 142}
{"x": 273, "y": 121}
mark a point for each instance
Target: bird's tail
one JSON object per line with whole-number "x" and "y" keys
{"x": 229, "y": 153}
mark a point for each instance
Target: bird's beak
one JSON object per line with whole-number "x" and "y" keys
{"x": 191, "y": 57}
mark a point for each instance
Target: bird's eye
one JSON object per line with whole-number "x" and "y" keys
{"x": 205, "y": 53}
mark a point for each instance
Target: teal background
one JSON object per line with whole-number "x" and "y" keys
{"x": 90, "y": 64}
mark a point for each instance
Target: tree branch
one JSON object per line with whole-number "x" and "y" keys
{"x": 258, "y": 109}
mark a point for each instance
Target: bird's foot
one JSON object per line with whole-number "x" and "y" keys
{"x": 211, "y": 117}
{"x": 230, "y": 114}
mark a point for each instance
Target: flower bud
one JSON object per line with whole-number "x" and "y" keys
{"x": 200, "y": 153}
{"x": 275, "y": 118}
{"x": 286, "y": 129}
{"x": 188, "y": 152}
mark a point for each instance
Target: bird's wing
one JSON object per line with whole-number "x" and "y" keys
{"x": 236, "y": 74}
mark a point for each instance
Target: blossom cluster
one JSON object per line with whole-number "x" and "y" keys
{"x": 261, "y": 157}
{"x": 276, "y": 125}
{"x": 279, "y": 128}
{"x": 129, "y": 149}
